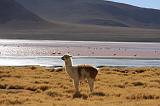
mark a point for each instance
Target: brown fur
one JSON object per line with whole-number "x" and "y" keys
{"x": 89, "y": 69}
{"x": 80, "y": 72}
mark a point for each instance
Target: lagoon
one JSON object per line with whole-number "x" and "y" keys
{"x": 95, "y": 61}
{"x": 48, "y": 52}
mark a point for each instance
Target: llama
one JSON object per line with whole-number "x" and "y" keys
{"x": 80, "y": 72}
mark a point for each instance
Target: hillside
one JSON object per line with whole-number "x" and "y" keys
{"x": 83, "y": 33}
{"x": 17, "y": 22}
{"x": 13, "y": 14}
{"x": 94, "y": 12}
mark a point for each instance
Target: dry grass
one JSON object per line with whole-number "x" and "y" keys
{"x": 34, "y": 85}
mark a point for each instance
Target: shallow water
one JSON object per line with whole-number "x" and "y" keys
{"x": 56, "y": 61}
{"x": 45, "y": 52}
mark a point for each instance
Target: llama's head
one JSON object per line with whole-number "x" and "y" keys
{"x": 66, "y": 57}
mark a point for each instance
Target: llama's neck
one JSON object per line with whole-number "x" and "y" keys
{"x": 68, "y": 65}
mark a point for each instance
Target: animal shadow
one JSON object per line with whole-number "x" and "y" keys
{"x": 79, "y": 95}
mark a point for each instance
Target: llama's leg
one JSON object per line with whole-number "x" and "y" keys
{"x": 91, "y": 84}
{"x": 76, "y": 84}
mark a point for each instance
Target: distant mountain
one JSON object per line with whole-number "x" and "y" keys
{"x": 19, "y": 19}
{"x": 13, "y": 14}
{"x": 94, "y": 12}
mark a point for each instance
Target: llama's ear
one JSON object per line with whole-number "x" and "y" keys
{"x": 70, "y": 55}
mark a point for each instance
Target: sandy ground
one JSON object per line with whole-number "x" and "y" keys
{"x": 114, "y": 86}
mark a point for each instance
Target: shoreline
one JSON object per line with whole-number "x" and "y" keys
{"x": 94, "y": 57}
{"x": 98, "y": 41}
{"x": 91, "y": 60}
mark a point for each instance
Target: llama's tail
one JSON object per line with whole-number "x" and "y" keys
{"x": 99, "y": 69}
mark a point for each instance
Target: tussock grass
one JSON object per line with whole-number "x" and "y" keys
{"x": 99, "y": 94}
{"x": 140, "y": 96}
{"x": 3, "y": 86}
{"x": 35, "y": 85}
{"x": 15, "y": 87}
{"x": 41, "y": 87}
{"x": 156, "y": 80}
{"x": 80, "y": 96}
{"x": 12, "y": 101}
{"x": 33, "y": 67}
{"x": 138, "y": 83}
{"x": 52, "y": 93}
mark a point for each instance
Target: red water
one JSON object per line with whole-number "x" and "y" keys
{"x": 58, "y": 48}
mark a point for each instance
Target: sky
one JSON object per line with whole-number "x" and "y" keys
{"x": 141, "y": 3}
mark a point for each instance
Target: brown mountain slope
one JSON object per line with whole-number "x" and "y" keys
{"x": 12, "y": 14}
{"x": 94, "y": 12}
{"x": 84, "y": 33}
{"x": 18, "y": 23}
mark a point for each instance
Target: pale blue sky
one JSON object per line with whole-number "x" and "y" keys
{"x": 141, "y": 3}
